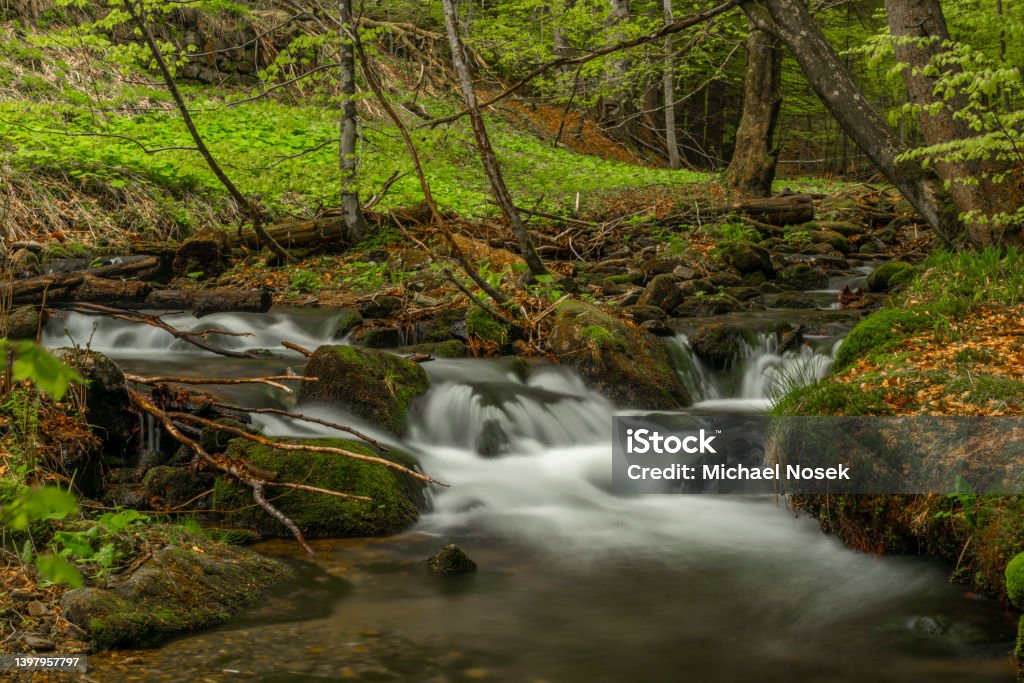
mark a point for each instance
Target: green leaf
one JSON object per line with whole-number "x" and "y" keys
{"x": 38, "y": 504}
{"x": 56, "y": 569}
{"x": 39, "y": 365}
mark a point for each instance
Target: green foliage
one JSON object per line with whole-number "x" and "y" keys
{"x": 1015, "y": 581}
{"x": 43, "y": 504}
{"x": 878, "y": 334}
{"x": 37, "y": 364}
{"x": 734, "y": 233}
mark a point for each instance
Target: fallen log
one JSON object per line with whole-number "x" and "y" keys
{"x": 57, "y": 286}
{"x": 206, "y": 301}
{"x": 791, "y": 209}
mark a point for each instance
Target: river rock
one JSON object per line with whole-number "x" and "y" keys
{"x": 493, "y": 441}
{"x": 348, "y": 320}
{"x": 23, "y": 322}
{"x": 714, "y": 304}
{"x": 718, "y": 345}
{"x": 381, "y": 306}
{"x": 191, "y": 583}
{"x": 378, "y": 336}
{"x": 395, "y": 496}
{"x": 440, "y": 327}
{"x": 661, "y": 265}
{"x": 748, "y": 258}
{"x": 663, "y": 292}
{"x": 38, "y": 643}
{"x": 626, "y": 365}
{"x": 888, "y": 275}
{"x": 374, "y": 385}
{"x": 451, "y": 559}
{"x": 173, "y": 487}
{"x": 803, "y": 276}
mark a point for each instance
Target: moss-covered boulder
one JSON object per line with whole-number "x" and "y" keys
{"x": 889, "y": 275}
{"x": 482, "y": 326}
{"x": 1015, "y": 581}
{"x": 803, "y": 276}
{"x": 176, "y": 487}
{"x": 661, "y": 292}
{"x": 189, "y": 583}
{"x": 717, "y": 345}
{"x": 374, "y": 385}
{"x": 395, "y": 497}
{"x": 348, "y": 320}
{"x": 23, "y": 322}
{"x": 451, "y": 559}
{"x": 747, "y": 258}
{"x": 625, "y": 364}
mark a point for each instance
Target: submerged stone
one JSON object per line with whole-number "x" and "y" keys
{"x": 451, "y": 559}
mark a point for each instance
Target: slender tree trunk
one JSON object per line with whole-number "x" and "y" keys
{"x": 790, "y": 21}
{"x": 670, "y": 94}
{"x": 920, "y": 35}
{"x": 752, "y": 168}
{"x": 139, "y": 18}
{"x": 483, "y": 142}
{"x": 616, "y": 105}
{"x": 348, "y": 133}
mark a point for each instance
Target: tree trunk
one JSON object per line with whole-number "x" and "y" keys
{"x": 790, "y": 21}
{"x": 490, "y": 161}
{"x": 919, "y": 33}
{"x": 752, "y": 168}
{"x": 354, "y": 223}
{"x": 670, "y": 94}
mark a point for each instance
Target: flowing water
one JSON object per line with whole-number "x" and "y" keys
{"x": 575, "y": 584}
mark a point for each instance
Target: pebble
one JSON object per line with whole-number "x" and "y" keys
{"x": 37, "y": 609}
{"x": 35, "y": 641}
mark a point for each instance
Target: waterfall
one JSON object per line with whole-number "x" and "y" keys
{"x": 758, "y": 375}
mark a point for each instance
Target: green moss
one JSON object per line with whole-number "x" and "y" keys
{"x": 375, "y": 385}
{"x": 829, "y": 397}
{"x": 451, "y": 559}
{"x": 1015, "y": 581}
{"x": 877, "y": 334}
{"x": 888, "y": 275}
{"x": 482, "y": 326}
{"x": 597, "y": 334}
{"x": 453, "y": 348}
{"x": 1018, "y": 652}
{"x": 392, "y": 508}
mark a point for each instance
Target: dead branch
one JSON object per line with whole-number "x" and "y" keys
{"x": 155, "y": 321}
{"x": 235, "y": 468}
{"x": 188, "y": 417}
{"x": 305, "y": 418}
{"x": 271, "y": 380}
{"x": 295, "y": 347}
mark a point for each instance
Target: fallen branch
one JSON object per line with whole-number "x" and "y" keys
{"x": 188, "y": 417}
{"x": 155, "y": 321}
{"x": 306, "y": 418}
{"x": 271, "y": 380}
{"x": 237, "y": 469}
{"x": 295, "y": 347}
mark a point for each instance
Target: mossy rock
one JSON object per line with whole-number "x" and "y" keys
{"x": 23, "y": 322}
{"x": 715, "y": 304}
{"x": 803, "y": 276}
{"x": 192, "y": 583}
{"x": 625, "y": 364}
{"x": 374, "y": 385}
{"x": 717, "y": 345}
{"x": 889, "y": 275}
{"x": 176, "y": 486}
{"x": 215, "y": 440}
{"x": 453, "y": 348}
{"x": 450, "y": 560}
{"x": 1015, "y": 581}
{"x": 877, "y": 334}
{"x": 483, "y": 326}
{"x": 1018, "y": 652}
{"x": 348, "y": 320}
{"x": 747, "y": 258}
{"x": 661, "y": 292}
{"x": 829, "y": 397}
{"x": 395, "y": 497}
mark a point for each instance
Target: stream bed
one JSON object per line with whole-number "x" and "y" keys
{"x": 574, "y": 583}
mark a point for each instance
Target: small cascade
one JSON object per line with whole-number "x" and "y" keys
{"x": 494, "y": 411}
{"x": 757, "y": 375}
{"x": 249, "y": 331}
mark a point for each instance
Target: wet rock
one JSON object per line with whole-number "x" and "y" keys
{"x": 769, "y": 288}
{"x": 381, "y": 306}
{"x": 661, "y": 265}
{"x": 748, "y": 258}
{"x": 451, "y": 559}
{"x": 659, "y": 328}
{"x": 803, "y": 276}
{"x": 743, "y": 293}
{"x": 626, "y": 365}
{"x": 378, "y": 337}
{"x": 215, "y": 440}
{"x": 453, "y": 348}
{"x": 789, "y": 338}
{"x": 642, "y": 314}
{"x": 793, "y": 300}
{"x": 191, "y": 583}
{"x": 176, "y": 486}
{"x": 714, "y": 304}
{"x": 933, "y": 626}
{"x": 718, "y": 345}
{"x": 395, "y": 498}
{"x": 441, "y": 327}
{"x": 692, "y": 287}
{"x": 726, "y": 279}
{"x": 663, "y": 292}
{"x": 374, "y": 385}
{"x": 889, "y": 275}
{"x": 348, "y": 320}
{"x": 492, "y": 441}
{"x": 23, "y": 322}
{"x": 37, "y": 643}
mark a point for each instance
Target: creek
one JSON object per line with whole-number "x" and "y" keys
{"x": 575, "y": 584}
